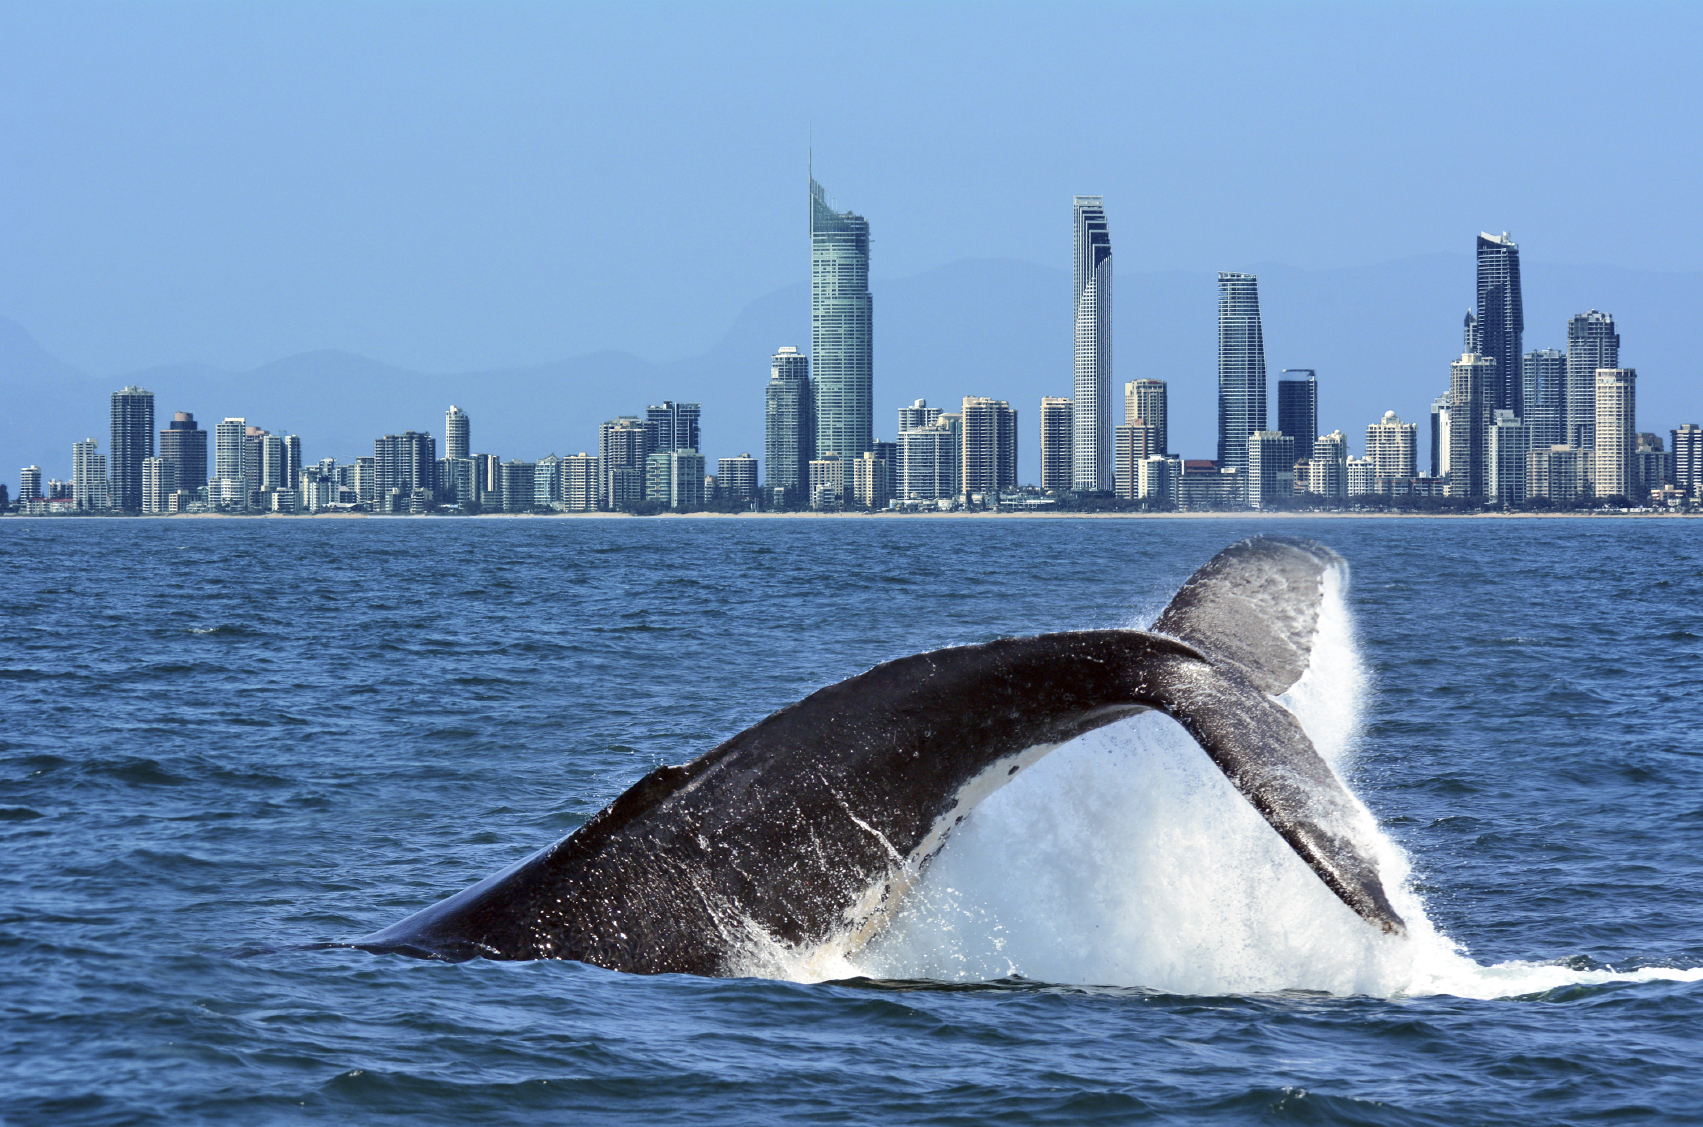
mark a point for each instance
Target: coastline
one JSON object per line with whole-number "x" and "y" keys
{"x": 1249, "y": 514}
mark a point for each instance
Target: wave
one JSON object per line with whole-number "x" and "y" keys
{"x": 1126, "y": 859}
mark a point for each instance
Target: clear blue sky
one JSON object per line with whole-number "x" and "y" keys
{"x": 459, "y": 186}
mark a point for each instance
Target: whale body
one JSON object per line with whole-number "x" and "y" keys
{"x": 809, "y": 827}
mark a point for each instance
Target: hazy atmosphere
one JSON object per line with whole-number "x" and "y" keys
{"x": 605, "y": 207}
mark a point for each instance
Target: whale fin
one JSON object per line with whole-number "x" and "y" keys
{"x": 1255, "y": 606}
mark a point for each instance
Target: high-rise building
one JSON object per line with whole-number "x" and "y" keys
{"x": 1556, "y": 474}
{"x": 1057, "y": 434}
{"x": 676, "y": 426}
{"x": 1135, "y": 443}
{"x": 1271, "y": 467}
{"x": 159, "y": 482}
{"x": 184, "y": 444}
{"x": 546, "y": 481}
{"x": 1093, "y": 468}
{"x": 1592, "y": 343}
{"x": 457, "y": 433}
{"x": 274, "y": 464}
{"x": 990, "y": 445}
{"x": 738, "y": 478}
{"x": 1358, "y": 478}
{"x": 229, "y": 488}
{"x": 1468, "y": 419}
{"x": 1146, "y": 400}
{"x": 1543, "y": 379}
{"x": 405, "y": 462}
{"x": 623, "y": 445}
{"x": 132, "y": 441}
{"x": 1687, "y": 457}
{"x": 870, "y": 477}
{"x": 1616, "y": 425}
{"x": 1505, "y": 461}
{"x": 918, "y": 414}
{"x": 1241, "y": 371}
{"x": 519, "y": 482}
{"x": 1327, "y": 471}
{"x": 580, "y": 488}
{"x": 89, "y": 489}
{"x": 841, "y": 329}
{"x": 1655, "y": 468}
{"x": 1393, "y": 447}
{"x": 1501, "y": 319}
{"x": 253, "y": 460}
{"x": 29, "y": 484}
{"x": 930, "y": 460}
{"x": 1159, "y": 481}
{"x": 292, "y": 458}
{"x": 1440, "y": 436}
{"x": 789, "y": 427}
{"x": 827, "y": 482}
{"x": 1298, "y": 406}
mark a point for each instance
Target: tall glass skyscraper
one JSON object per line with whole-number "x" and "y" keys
{"x": 1298, "y": 407}
{"x": 789, "y": 428}
{"x": 1501, "y": 320}
{"x": 1543, "y": 377}
{"x": 1241, "y": 369}
{"x": 132, "y": 441}
{"x": 1092, "y": 455}
{"x": 1592, "y": 343}
{"x": 841, "y": 329}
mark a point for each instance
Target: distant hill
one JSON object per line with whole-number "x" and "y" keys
{"x": 1380, "y": 337}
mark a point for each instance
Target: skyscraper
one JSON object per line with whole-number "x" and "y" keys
{"x": 185, "y": 444}
{"x": 580, "y": 483}
{"x": 1057, "y": 427}
{"x": 1592, "y": 343}
{"x": 1440, "y": 436}
{"x": 132, "y": 441}
{"x": 841, "y": 329}
{"x": 29, "y": 483}
{"x": 1392, "y": 447}
{"x": 623, "y": 445}
{"x": 1616, "y": 424}
{"x": 229, "y": 489}
{"x": 1093, "y": 466}
{"x": 1687, "y": 457}
{"x": 1134, "y": 443}
{"x": 405, "y": 462}
{"x": 88, "y": 476}
{"x": 1146, "y": 400}
{"x": 159, "y": 482}
{"x": 1509, "y": 449}
{"x": 1501, "y": 319}
{"x": 1271, "y": 467}
{"x": 990, "y": 445}
{"x": 789, "y": 427}
{"x": 274, "y": 464}
{"x": 1468, "y": 417}
{"x": 676, "y": 426}
{"x": 1298, "y": 406}
{"x": 1543, "y": 378}
{"x": 457, "y": 433}
{"x": 1327, "y": 470}
{"x": 1241, "y": 369}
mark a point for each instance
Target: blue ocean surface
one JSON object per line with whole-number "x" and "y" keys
{"x": 224, "y": 739}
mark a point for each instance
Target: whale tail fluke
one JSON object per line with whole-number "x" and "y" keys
{"x": 1255, "y": 606}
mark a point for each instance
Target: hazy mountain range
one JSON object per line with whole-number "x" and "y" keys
{"x": 1380, "y": 338}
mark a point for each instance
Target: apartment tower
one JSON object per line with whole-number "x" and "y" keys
{"x": 1501, "y": 319}
{"x": 1241, "y": 370}
{"x": 1616, "y": 427}
{"x": 1057, "y": 437}
{"x": 1091, "y": 448}
{"x": 789, "y": 428}
{"x": 841, "y": 329}
{"x": 132, "y": 442}
{"x": 1592, "y": 343}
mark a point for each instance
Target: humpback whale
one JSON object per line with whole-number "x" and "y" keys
{"x": 809, "y": 827}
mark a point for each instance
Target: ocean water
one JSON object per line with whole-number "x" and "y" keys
{"x": 223, "y": 739}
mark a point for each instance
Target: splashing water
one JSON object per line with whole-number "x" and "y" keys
{"x": 1125, "y": 858}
